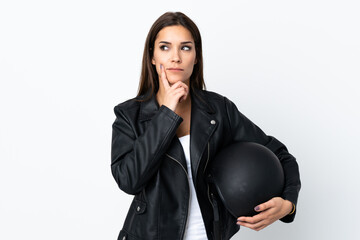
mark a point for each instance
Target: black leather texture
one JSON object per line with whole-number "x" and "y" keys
{"x": 148, "y": 161}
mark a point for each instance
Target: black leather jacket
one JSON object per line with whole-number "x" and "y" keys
{"x": 148, "y": 161}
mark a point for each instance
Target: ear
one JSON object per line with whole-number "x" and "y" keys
{"x": 195, "y": 61}
{"x": 153, "y": 61}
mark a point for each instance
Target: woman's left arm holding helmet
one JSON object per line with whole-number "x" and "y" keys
{"x": 269, "y": 212}
{"x": 282, "y": 207}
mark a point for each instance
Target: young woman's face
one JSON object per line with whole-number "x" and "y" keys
{"x": 174, "y": 48}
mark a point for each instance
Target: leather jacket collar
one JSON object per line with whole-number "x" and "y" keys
{"x": 198, "y": 100}
{"x": 203, "y": 125}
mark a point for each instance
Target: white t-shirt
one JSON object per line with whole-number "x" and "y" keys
{"x": 195, "y": 228}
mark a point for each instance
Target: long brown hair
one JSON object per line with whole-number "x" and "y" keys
{"x": 149, "y": 79}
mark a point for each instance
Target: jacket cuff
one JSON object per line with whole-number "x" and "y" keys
{"x": 291, "y": 216}
{"x": 170, "y": 113}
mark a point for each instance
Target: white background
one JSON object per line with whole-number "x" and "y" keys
{"x": 292, "y": 67}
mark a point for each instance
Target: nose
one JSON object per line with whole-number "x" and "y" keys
{"x": 176, "y": 57}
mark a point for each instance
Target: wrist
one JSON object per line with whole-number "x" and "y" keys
{"x": 293, "y": 208}
{"x": 288, "y": 207}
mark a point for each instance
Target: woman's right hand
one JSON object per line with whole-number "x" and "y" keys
{"x": 171, "y": 95}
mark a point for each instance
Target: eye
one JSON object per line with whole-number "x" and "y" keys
{"x": 164, "y": 47}
{"x": 186, "y": 48}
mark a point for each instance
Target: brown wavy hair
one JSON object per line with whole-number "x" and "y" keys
{"x": 149, "y": 79}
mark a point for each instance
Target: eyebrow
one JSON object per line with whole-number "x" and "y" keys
{"x": 186, "y": 42}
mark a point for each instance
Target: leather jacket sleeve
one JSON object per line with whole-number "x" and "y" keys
{"x": 135, "y": 159}
{"x": 243, "y": 129}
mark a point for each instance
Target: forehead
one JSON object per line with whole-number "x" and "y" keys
{"x": 174, "y": 34}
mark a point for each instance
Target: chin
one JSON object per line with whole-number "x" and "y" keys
{"x": 175, "y": 80}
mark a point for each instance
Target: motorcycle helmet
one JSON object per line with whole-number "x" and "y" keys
{"x": 246, "y": 174}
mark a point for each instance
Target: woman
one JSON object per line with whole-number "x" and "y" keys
{"x": 164, "y": 139}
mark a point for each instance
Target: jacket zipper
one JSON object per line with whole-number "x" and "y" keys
{"x": 207, "y": 161}
{"x": 208, "y": 187}
{"x": 187, "y": 176}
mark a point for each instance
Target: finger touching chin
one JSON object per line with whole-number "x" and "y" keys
{"x": 173, "y": 80}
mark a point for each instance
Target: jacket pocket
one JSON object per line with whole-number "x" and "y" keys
{"x": 139, "y": 207}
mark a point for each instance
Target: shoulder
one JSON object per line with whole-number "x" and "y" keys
{"x": 212, "y": 95}
{"x": 209, "y": 96}
{"x": 216, "y": 99}
{"x": 130, "y": 105}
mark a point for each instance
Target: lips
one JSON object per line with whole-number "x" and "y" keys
{"x": 175, "y": 69}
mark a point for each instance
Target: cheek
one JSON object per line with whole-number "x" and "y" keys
{"x": 159, "y": 57}
{"x": 192, "y": 59}
{"x": 190, "y": 63}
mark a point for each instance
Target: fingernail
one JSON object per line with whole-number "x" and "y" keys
{"x": 257, "y": 208}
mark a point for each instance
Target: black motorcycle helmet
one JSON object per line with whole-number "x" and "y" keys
{"x": 246, "y": 174}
